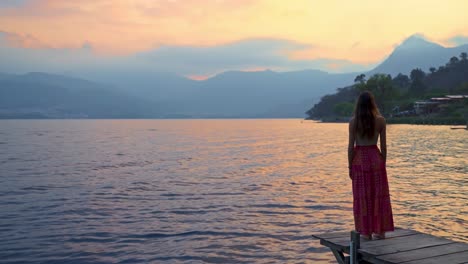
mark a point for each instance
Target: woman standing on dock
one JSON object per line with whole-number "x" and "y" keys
{"x": 371, "y": 198}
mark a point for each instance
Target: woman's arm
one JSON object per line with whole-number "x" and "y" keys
{"x": 351, "y": 143}
{"x": 383, "y": 139}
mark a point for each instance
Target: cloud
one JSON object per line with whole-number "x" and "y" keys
{"x": 12, "y": 3}
{"x": 458, "y": 40}
{"x": 257, "y": 54}
{"x": 124, "y": 26}
{"x": 18, "y": 56}
{"x": 196, "y": 62}
{"x": 253, "y": 53}
{"x": 23, "y": 41}
{"x": 131, "y": 26}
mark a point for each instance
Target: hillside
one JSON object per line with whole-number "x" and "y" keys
{"x": 397, "y": 97}
{"x": 42, "y": 95}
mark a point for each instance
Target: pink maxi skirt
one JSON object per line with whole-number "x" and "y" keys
{"x": 371, "y": 197}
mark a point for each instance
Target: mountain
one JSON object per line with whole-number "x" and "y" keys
{"x": 141, "y": 92}
{"x": 263, "y": 93}
{"x": 266, "y": 93}
{"x": 156, "y": 86}
{"x": 416, "y": 52}
{"x": 43, "y": 95}
{"x": 135, "y": 95}
{"x": 4, "y": 75}
{"x": 229, "y": 94}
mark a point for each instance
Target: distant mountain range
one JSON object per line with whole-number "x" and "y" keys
{"x": 41, "y": 95}
{"x": 137, "y": 94}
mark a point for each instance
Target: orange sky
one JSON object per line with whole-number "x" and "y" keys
{"x": 361, "y": 31}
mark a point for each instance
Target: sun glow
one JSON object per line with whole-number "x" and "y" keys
{"x": 361, "y": 32}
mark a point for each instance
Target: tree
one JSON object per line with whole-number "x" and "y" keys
{"x": 343, "y": 109}
{"x": 417, "y": 82}
{"x": 417, "y": 74}
{"x": 432, "y": 70}
{"x": 401, "y": 81}
{"x": 464, "y": 56}
{"x": 327, "y": 108}
{"x": 453, "y": 61}
{"x": 361, "y": 78}
{"x": 360, "y": 83}
{"x": 382, "y": 88}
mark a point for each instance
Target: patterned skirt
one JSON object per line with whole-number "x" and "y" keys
{"x": 371, "y": 198}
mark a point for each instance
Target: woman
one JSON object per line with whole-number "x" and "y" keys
{"x": 371, "y": 205}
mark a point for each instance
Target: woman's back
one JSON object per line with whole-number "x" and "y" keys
{"x": 367, "y": 141}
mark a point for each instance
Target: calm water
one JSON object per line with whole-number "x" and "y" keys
{"x": 208, "y": 191}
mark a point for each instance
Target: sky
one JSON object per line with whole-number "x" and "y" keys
{"x": 199, "y": 38}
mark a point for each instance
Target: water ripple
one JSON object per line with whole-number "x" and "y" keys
{"x": 208, "y": 191}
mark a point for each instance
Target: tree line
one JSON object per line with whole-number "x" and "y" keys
{"x": 397, "y": 94}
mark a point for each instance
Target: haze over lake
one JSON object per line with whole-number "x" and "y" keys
{"x": 214, "y": 191}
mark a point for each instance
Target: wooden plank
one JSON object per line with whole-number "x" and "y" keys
{"x": 454, "y": 258}
{"x": 401, "y": 232}
{"x": 428, "y": 252}
{"x": 340, "y": 247}
{"x": 399, "y": 244}
{"x": 389, "y": 235}
{"x": 345, "y": 234}
{"x": 344, "y": 242}
{"x": 403, "y": 239}
{"x": 331, "y": 235}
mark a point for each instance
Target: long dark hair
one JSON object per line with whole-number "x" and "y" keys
{"x": 365, "y": 113}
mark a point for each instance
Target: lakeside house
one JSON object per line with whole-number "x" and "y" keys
{"x": 435, "y": 104}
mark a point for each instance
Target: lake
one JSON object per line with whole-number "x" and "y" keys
{"x": 209, "y": 191}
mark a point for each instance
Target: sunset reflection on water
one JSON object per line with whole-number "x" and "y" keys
{"x": 221, "y": 191}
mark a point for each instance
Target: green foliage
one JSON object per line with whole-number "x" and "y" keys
{"x": 382, "y": 87}
{"x": 344, "y": 109}
{"x": 453, "y": 62}
{"x": 401, "y": 92}
{"x": 325, "y": 109}
{"x": 361, "y": 78}
{"x": 464, "y": 56}
{"x": 462, "y": 89}
{"x": 417, "y": 87}
{"x": 401, "y": 82}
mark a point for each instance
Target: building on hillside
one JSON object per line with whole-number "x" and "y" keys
{"x": 434, "y": 104}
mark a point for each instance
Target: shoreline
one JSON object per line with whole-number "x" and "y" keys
{"x": 407, "y": 120}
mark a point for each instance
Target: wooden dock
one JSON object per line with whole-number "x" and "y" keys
{"x": 401, "y": 246}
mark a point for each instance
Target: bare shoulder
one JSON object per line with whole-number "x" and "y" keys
{"x": 381, "y": 123}
{"x": 380, "y": 119}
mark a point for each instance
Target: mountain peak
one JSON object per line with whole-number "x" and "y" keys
{"x": 416, "y": 52}
{"x": 415, "y": 39}
{"x": 416, "y": 42}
